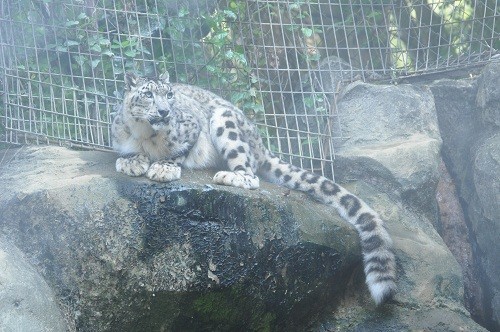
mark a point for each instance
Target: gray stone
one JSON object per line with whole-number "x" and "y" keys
{"x": 458, "y": 120}
{"x": 126, "y": 253}
{"x": 488, "y": 94}
{"x": 391, "y": 130}
{"x": 453, "y": 228}
{"x": 27, "y": 304}
{"x": 486, "y": 173}
{"x": 465, "y": 110}
{"x": 484, "y": 214}
{"x": 399, "y": 151}
{"x": 374, "y": 114}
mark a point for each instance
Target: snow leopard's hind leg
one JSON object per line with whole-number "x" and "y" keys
{"x": 230, "y": 141}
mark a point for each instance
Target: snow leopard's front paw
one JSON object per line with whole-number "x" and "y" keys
{"x": 134, "y": 166}
{"x": 237, "y": 179}
{"x": 164, "y": 171}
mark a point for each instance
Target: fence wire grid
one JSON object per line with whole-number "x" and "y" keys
{"x": 282, "y": 62}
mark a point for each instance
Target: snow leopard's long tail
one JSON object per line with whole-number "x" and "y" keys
{"x": 378, "y": 257}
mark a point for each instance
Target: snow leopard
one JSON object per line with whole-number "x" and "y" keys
{"x": 162, "y": 127}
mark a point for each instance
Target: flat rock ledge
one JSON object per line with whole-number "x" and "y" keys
{"x": 121, "y": 253}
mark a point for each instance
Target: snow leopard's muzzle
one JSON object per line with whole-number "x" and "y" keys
{"x": 160, "y": 118}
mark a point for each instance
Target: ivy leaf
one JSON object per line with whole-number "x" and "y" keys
{"x": 230, "y": 14}
{"x": 104, "y": 42}
{"x": 82, "y": 16}
{"x": 124, "y": 43}
{"x": 70, "y": 43}
{"x": 130, "y": 53}
{"x": 71, "y": 23}
{"x": 252, "y": 92}
{"x": 96, "y": 48}
{"x": 80, "y": 60}
{"x": 183, "y": 12}
{"x": 307, "y": 31}
{"x": 229, "y": 54}
{"x": 108, "y": 53}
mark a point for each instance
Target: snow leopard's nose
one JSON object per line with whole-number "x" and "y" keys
{"x": 163, "y": 113}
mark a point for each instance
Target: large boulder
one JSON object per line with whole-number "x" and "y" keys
{"x": 392, "y": 142}
{"x": 453, "y": 228}
{"x": 469, "y": 123}
{"x": 129, "y": 254}
{"x": 26, "y": 301}
{"x": 484, "y": 214}
{"x": 125, "y": 253}
{"x": 391, "y": 131}
{"x": 488, "y": 94}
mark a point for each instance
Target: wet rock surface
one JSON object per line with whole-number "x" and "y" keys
{"x": 129, "y": 254}
{"x": 125, "y": 253}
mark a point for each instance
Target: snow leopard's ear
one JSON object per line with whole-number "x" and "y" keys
{"x": 165, "y": 77}
{"x": 131, "y": 80}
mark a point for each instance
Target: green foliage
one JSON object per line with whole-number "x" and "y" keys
{"x": 213, "y": 60}
{"x": 70, "y": 56}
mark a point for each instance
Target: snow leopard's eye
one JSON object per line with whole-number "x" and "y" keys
{"x": 148, "y": 94}
{"x": 170, "y": 95}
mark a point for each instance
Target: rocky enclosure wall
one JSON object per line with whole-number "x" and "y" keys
{"x": 469, "y": 119}
{"x": 85, "y": 248}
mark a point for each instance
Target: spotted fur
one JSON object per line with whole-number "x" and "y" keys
{"x": 164, "y": 126}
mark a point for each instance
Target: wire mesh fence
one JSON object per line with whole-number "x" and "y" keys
{"x": 281, "y": 62}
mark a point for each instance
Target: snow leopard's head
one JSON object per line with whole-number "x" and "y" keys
{"x": 148, "y": 99}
